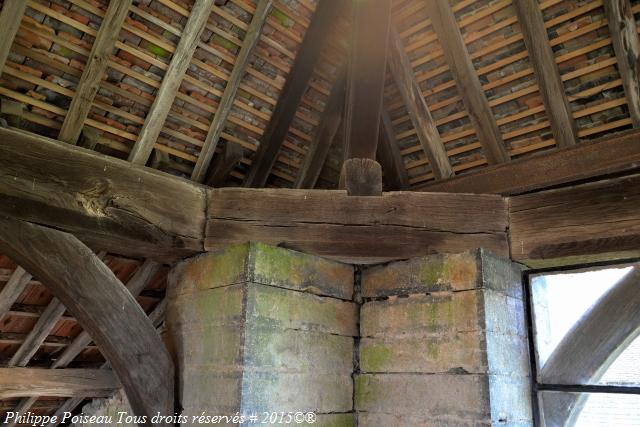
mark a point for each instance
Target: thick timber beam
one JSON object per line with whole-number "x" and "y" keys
{"x": 107, "y": 203}
{"x": 94, "y": 70}
{"x": 611, "y": 154}
{"x": 217, "y": 125}
{"x": 171, "y": 82}
{"x": 624, "y": 34}
{"x": 102, "y": 305}
{"x": 10, "y": 18}
{"x": 12, "y": 289}
{"x": 546, "y": 70}
{"x": 469, "y": 88}
{"x": 388, "y": 147}
{"x": 365, "y": 78}
{"x": 296, "y": 84}
{"x": 586, "y": 223}
{"x": 359, "y": 229}
{"x": 33, "y": 382}
{"x": 230, "y": 157}
{"x": 419, "y": 113}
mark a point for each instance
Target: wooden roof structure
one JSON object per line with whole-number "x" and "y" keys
{"x": 252, "y": 93}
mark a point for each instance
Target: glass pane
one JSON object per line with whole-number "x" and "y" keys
{"x": 625, "y": 370}
{"x": 591, "y": 409}
{"x": 560, "y": 299}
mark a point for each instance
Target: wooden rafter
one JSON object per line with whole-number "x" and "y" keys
{"x": 421, "y": 119}
{"x": 390, "y": 157}
{"x": 365, "y": 77}
{"x": 10, "y": 18}
{"x": 457, "y": 57}
{"x": 624, "y": 34}
{"x": 23, "y": 382}
{"x": 230, "y": 157}
{"x": 171, "y": 82}
{"x": 608, "y": 155}
{"x": 12, "y": 289}
{"x": 296, "y": 84}
{"x": 233, "y": 84}
{"x": 386, "y": 129}
{"x": 324, "y": 135}
{"x": 94, "y": 71}
{"x": 109, "y": 312}
{"x": 546, "y": 71}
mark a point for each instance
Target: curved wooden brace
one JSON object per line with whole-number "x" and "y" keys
{"x": 102, "y": 305}
{"x": 591, "y": 346}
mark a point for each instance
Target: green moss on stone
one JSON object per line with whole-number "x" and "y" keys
{"x": 375, "y": 357}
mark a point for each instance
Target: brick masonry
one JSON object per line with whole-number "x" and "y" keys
{"x": 258, "y": 328}
{"x": 443, "y": 343}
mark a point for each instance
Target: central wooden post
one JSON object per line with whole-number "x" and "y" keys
{"x": 361, "y": 175}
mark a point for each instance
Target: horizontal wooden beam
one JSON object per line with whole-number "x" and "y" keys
{"x": 27, "y": 382}
{"x": 359, "y": 229}
{"x": 586, "y": 223}
{"x": 611, "y": 154}
{"x": 106, "y": 202}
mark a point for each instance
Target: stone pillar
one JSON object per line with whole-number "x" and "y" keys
{"x": 258, "y": 328}
{"x": 443, "y": 343}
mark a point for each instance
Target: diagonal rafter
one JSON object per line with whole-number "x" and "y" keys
{"x": 94, "y": 71}
{"x": 457, "y": 57}
{"x": 324, "y": 135}
{"x": 546, "y": 71}
{"x": 419, "y": 113}
{"x": 622, "y": 26}
{"x": 171, "y": 82}
{"x": 390, "y": 156}
{"x": 296, "y": 84}
{"x": 10, "y": 17}
{"x": 224, "y": 108}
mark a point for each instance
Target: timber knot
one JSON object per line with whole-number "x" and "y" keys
{"x": 93, "y": 199}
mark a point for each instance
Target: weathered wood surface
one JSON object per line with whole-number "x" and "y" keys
{"x": 294, "y": 87}
{"x": 47, "y": 321}
{"x": 171, "y": 82}
{"x": 360, "y": 229}
{"x": 24, "y": 382}
{"x": 226, "y": 102}
{"x": 611, "y": 154}
{"x": 99, "y": 301}
{"x": 469, "y": 88}
{"x": 624, "y": 34}
{"x": 107, "y": 203}
{"x": 12, "y": 289}
{"x": 546, "y": 71}
{"x": 365, "y": 77}
{"x": 324, "y": 135}
{"x": 590, "y": 222}
{"x": 23, "y": 406}
{"x": 231, "y": 155}
{"x": 94, "y": 70}
{"x": 135, "y": 285}
{"x": 361, "y": 177}
{"x": 591, "y": 346}
{"x": 10, "y": 18}
{"x": 416, "y": 106}
{"x": 390, "y": 146}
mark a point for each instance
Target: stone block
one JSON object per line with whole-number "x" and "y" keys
{"x": 463, "y": 352}
{"x": 276, "y": 307}
{"x": 428, "y": 315}
{"x": 478, "y": 269}
{"x": 267, "y": 265}
{"x": 276, "y": 391}
{"x": 459, "y": 396}
{"x": 219, "y": 306}
{"x": 433, "y": 273}
{"x": 295, "y": 351}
